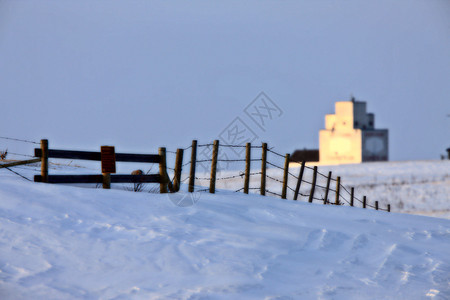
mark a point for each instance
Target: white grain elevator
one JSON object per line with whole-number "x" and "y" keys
{"x": 350, "y": 136}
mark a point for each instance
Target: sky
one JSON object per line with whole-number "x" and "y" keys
{"x": 144, "y": 74}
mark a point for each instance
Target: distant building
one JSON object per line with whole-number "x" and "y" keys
{"x": 307, "y": 155}
{"x": 350, "y": 136}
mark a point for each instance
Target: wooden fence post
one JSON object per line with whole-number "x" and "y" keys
{"x": 338, "y": 190}
{"x": 352, "y": 196}
{"x": 263, "y": 168}
{"x": 376, "y": 205}
{"x": 389, "y": 208}
{"x": 285, "y": 176}
{"x": 178, "y": 168}
{"x": 163, "y": 171}
{"x": 212, "y": 181}
{"x": 193, "y": 163}
{"x": 106, "y": 180}
{"x": 299, "y": 181}
{"x": 325, "y": 200}
{"x": 44, "y": 160}
{"x": 364, "y": 201}
{"x": 313, "y": 185}
{"x": 248, "y": 147}
{"x": 108, "y": 161}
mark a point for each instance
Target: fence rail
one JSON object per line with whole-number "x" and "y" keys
{"x": 89, "y": 155}
{"x": 106, "y": 178}
{"x": 18, "y": 163}
{"x": 119, "y": 178}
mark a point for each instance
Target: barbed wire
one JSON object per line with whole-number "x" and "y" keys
{"x": 276, "y": 153}
{"x": 7, "y": 168}
{"x": 273, "y": 193}
{"x": 28, "y": 168}
{"x": 250, "y": 188}
{"x": 19, "y": 140}
{"x": 357, "y": 199}
{"x": 341, "y": 196}
{"x": 204, "y": 160}
{"x": 354, "y": 197}
{"x": 322, "y": 187}
{"x": 345, "y": 189}
{"x": 293, "y": 175}
{"x": 238, "y": 160}
{"x": 231, "y": 177}
{"x": 233, "y": 146}
{"x": 274, "y": 165}
{"x": 326, "y": 176}
{"x": 183, "y": 180}
{"x": 275, "y": 179}
{"x": 241, "y": 175}
{"x": 228, "y": 145}
{"x": 317, "y": 198}
{"x": 230, "y": 160}
{"x": 290, "y": 188}
{"x": 25, "y": 155}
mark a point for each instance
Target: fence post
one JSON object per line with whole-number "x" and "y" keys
{"x": 263, "y": 169}
{"x": 108, "y": 160}
{"x": 178, "y": 168}
{"x": 338, "y": 190}
{"x": 44, "y": 160}
{"x": 299, "y": 181}
{"x": 325, "y": 200}
{"x": 313, "y": 185}
{"x": 212, "y": 182}
{"x": 285, "y": 176}
{"x": 193, "y": 162}
{"x": 352, "y": 196}
{"x": 376, "y": 205}
{"x": 389, "y": 208}
{"x": 248, "y": 147}
{"x": 106, "y": 180}
{"x": 364, "y": 201}
{"x": 162, "y": 171}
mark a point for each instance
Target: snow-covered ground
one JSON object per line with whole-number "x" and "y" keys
{"x": 60, "y": 242}
{"x": 416, "y": 187}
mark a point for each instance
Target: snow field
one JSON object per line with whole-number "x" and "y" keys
{"x": 59, "y": 242}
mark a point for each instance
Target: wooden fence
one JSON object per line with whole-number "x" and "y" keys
{"x": 343, "y": 195}
{"x": 106, "y": 178}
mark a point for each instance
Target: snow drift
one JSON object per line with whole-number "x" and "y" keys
{"x": 59, "y": 242}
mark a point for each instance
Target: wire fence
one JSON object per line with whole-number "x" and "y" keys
{"x": 18, "y": 140}
{"x": 6, "y": 154}
{"x": 232, "y": 166}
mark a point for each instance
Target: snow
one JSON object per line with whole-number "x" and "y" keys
{"x": 416, "y": 187}
{"x": 62, "y": 242}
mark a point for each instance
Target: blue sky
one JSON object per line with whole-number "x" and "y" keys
{"x": 145, "y": 74}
